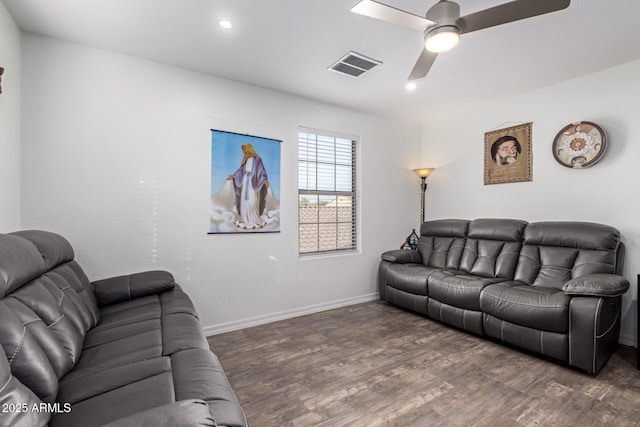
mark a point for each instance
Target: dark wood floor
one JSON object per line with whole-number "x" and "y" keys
{"x": 373, "y": 364}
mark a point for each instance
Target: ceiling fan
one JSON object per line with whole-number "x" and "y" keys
{"x": 443, "y": 24}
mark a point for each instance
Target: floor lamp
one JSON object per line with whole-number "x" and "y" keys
{"x": 423, "y": 173}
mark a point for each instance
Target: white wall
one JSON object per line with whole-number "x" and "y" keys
{"x": 9, "y": 123}
{"x": 116, "y": 157}
{"x": 607, "y": 192}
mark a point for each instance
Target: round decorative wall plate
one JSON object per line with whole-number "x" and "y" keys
{"x": 579, "y": 145}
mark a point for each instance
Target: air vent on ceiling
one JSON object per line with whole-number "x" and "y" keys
{"x": 353, "y": 64}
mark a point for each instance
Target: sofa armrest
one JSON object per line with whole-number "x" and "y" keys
{"x": 184, "y": 413}
{"x": 402, "y": 256}
{"x": 597, "y": 285}
{"x": 131, "y": 286}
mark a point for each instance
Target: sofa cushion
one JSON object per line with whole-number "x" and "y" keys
{"x": 410, "y": 278}
{"x": 82, "y": 286}
{"x": 500, "y": 229}
{"x": 535, "y": 307}
{"x": 72, "y": 304}
{"x": 552, "y": 344}
{"x": 52, "y": 347}
{"x": 177, "y": 301}
{"x": 47, "y": 300}
{"x": 124, "y": 350}
{"x": 441, "y": 242}
{"x": 20, "y": 262}
{"x": 199, "y": 373}
{"x": 140, "y": 329}
{"x": 572, "y": 234}
{"x": 181, "y": 331}
{"x": 76, "y": 388}
{"x": 410, "y": 301}
{"x": 28, "y": 362}
{"x": 128, "y": 312}
{"x": 445, "y": 228}
{"x": 72, "y": 280}
{"x": 458, "y": 290}
{"x": 57, "y": 255}
{"x": 185, "y": 413}
{"x": 555, "y": 252}
{"x": 12, "y": 393}
{"x": 53, "y": 248}
{"x": 470, "y": 320}
{"x": 150, "y": 392}
{"x": 492, "y": 247}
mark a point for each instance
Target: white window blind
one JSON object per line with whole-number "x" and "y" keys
{"x": 327, "y": 203}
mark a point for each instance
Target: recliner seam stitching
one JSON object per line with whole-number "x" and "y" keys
{"x": 55, "y": 322}
{"x": 15, "y": 353}
{"x": 6, "y": 383}
{"x": 522, "y": 303}
{"x": 114, "y": 388}
{"x": 595, "y": 338}
{"x": 118, "y": 338}
{"x": 609, "y": 329}
{"x": 531, "y": 258}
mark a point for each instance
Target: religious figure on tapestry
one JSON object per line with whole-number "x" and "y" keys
{"x": 246, "y": 198}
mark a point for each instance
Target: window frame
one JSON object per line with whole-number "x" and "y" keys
{"x": 353, "y": 193}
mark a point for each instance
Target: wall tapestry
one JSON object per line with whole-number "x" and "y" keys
{"x": 507, "y": 155}
{"x": 245, "y": 183}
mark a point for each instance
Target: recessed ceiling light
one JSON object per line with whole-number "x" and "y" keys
{"x": 225, "y": 24}
{"x": 411, "y": 86}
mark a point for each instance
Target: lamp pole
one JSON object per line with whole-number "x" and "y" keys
{"x": 423, "y": 188}
{"x": 423, "y": 173}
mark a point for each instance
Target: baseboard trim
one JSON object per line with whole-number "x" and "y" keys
{"x": 287, "y": 314}
{"x": 626, "y": 340}
{"x": 310, "y": 309}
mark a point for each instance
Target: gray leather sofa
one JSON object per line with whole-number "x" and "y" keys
{"x": 552, "y": 288}
{"x": 125, "y": 351}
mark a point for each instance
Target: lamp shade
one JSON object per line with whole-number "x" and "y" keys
{"x": 423, "y": 172}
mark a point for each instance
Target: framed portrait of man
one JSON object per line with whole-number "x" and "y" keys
{"x": 507, "y": 155}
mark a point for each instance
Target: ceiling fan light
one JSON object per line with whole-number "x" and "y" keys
{"x": 442, "y": 39}
{"x": 223, "y": 23}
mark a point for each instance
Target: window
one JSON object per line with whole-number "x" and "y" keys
{"x": 327, "y": 203}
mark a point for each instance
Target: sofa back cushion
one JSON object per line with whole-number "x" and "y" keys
{"x": 46, "y": 300}
{"x": 47, "y": 306}
{"x": 492, "y": 247}
{"x": 20, "y": 262}
{"x": 16, "y": 400}
{"x": 58, "y": 257}
{"x": 28, "y": 362}
{"x": 53, "y": 248}
{"x": 441, "y": 242}
{"x": 555, "y": 252}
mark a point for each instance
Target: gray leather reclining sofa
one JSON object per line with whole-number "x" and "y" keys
{"x": 552, "y": 288}
{"x": 127, "y": 350}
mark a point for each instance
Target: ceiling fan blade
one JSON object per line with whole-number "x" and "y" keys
{"x": 389, "y": 14}
{"x": 423, "y": 65}
{"x": 509, "y": 12}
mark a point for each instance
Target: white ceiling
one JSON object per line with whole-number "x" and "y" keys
{"x": 287, "y": 45}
